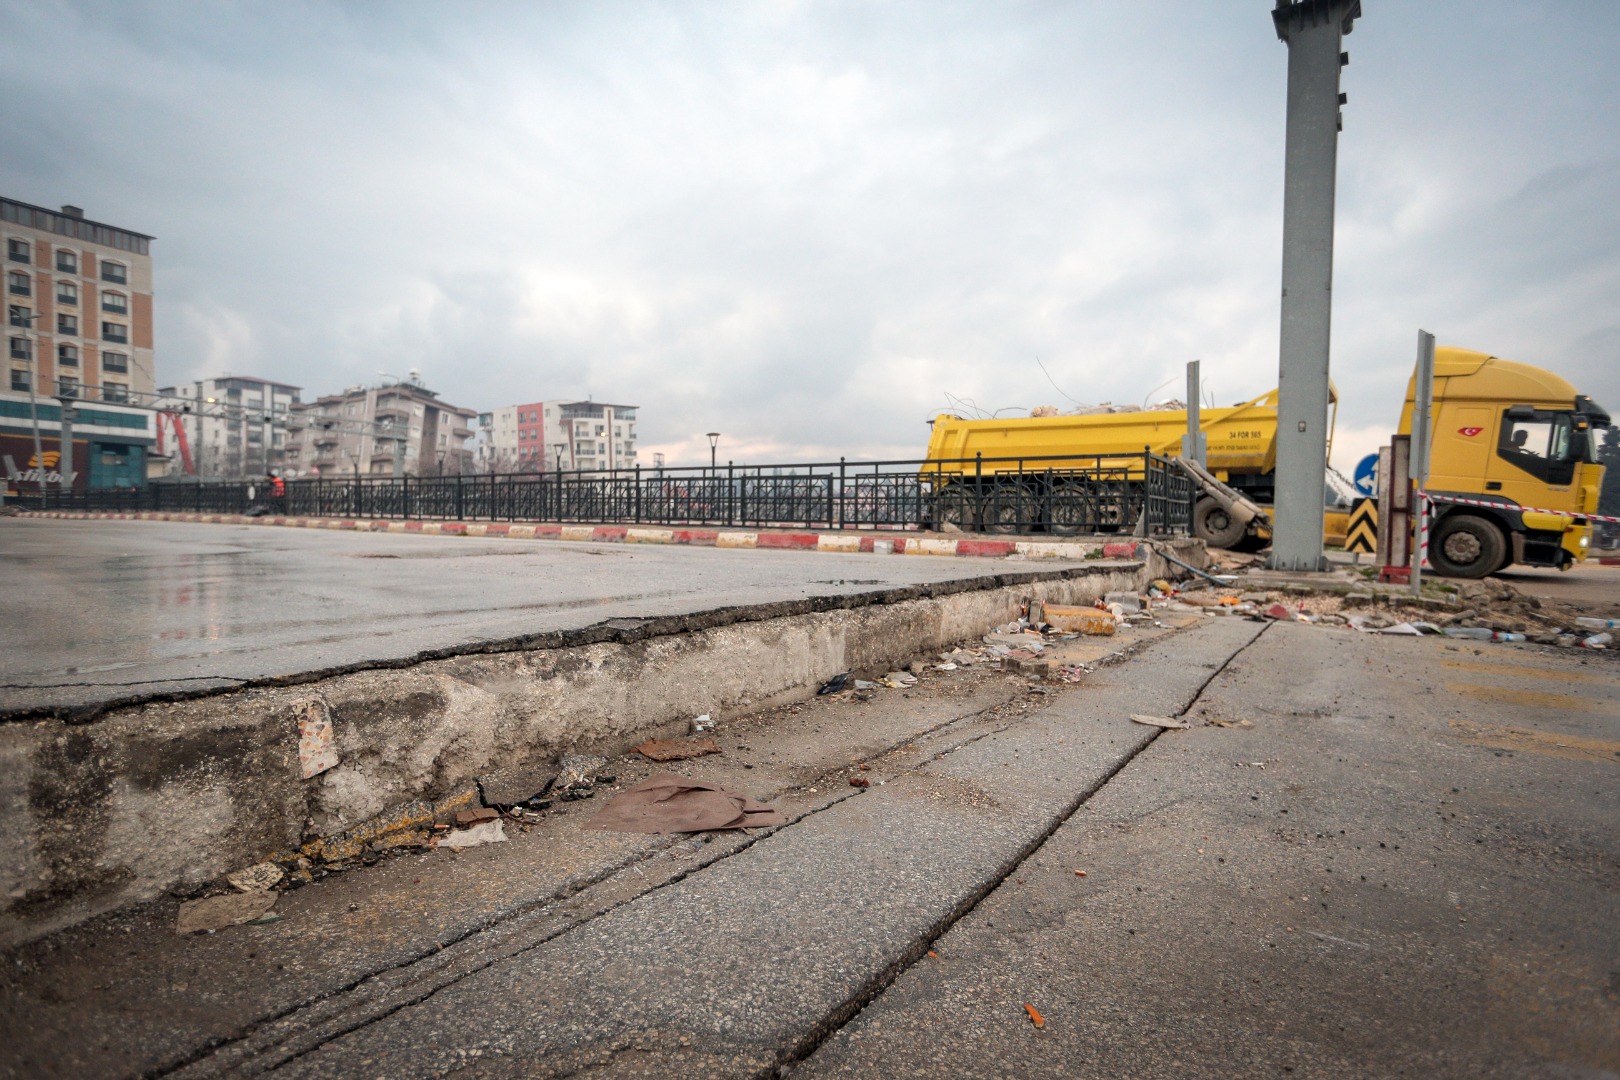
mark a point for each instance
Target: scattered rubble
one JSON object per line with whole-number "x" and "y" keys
{"x": 668, "y": 803}
{"x": 676, "y": 749}
{"x": 1160, "y": 721}
{"x": 259, "y": 877}
{"x": 230, "y": 909}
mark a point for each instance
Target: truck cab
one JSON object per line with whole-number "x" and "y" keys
{"x": 1518, "y": 443}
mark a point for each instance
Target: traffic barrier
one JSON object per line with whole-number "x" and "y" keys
{"x": 895, "y": 543}
{"x": 1579, "y": 517}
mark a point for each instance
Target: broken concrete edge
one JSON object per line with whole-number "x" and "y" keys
{"x": 174, "y": 795}
{"x": 847, "y": 541}
{"x": 620, "y": 630}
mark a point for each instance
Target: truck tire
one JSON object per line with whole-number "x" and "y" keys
{"x": 1214, "y": 526}
{"x": 1466, "y": 546}
{"x": 955, "y": 505}
{"x": 1010, "y": 508}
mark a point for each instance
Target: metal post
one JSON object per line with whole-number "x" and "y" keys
{"x": 33, "y": 406}
{"x": 1418, "y": 460}
{"x": 1313, "y": 31}
{"x": 64, "y": 445}
{"x": 730, "y": 493}
{"x": 1194, "y": 445}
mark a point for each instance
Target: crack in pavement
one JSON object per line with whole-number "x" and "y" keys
{"x": 487, "y": 951}
{"x": 290, "y": 1035}
{"x": 852, "y": 1008}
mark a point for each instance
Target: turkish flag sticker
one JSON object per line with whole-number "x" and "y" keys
{"x": 1469, "y": 432}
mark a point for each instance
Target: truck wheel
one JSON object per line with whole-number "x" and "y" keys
{"x": 1009, "y": 509}
{"x": 1214, "y": 526}
{"x": 1466, "y": 546}
{"x": 955, "y": 506}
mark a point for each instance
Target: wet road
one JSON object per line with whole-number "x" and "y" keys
{"x": 97, "y": 610}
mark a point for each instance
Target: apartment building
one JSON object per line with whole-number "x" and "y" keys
{"x": 560, "y": 434}
{"x": 78, "y": 347}
{"x": 398, "y": 428}
{"x": 78, "y": 305}
{"x": 235, "y": 425}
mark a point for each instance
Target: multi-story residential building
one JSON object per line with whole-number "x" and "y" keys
{"x": 399, "y": 428}
{"x": 559, "y": 434}
{"x": 78, "y": 305}
{"x": 235, "y": 425}
{"x": 78, "y": 338}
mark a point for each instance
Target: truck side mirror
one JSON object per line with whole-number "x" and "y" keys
{"x": 1521, "y": 412}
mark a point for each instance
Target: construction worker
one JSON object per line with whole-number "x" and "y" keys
{"x": 278, "y": 494}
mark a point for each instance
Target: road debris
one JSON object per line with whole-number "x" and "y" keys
{"x": 668, "y": 803}
{"x": 1082, "y": 620}
{"x": 256, "y": 878}
{"x": 516, "y": 784}
{"x": 577, "y": 776}
{"x": 701, "y": 724}
{"x": 1035, "y": 1016}
{"x": 317, "y": 747}
{"x": 484, "y": 832}
{"x": 676, "y": 749}
{"x": 1159, "y": 721}
{"x": 859, "y": 781}
{"x": 218, "y": 912}
{"x": 837, "y": 683}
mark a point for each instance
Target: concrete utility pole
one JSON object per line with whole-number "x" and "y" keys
{"x": 1313, "y": 31}
{"x": 1194, "y": 444}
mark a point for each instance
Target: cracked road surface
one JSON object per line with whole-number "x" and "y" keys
{"x": 1389, "y": 871}
{"x": 106, "y": 609}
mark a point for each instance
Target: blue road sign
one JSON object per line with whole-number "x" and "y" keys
{"x": 1366, "y": 478}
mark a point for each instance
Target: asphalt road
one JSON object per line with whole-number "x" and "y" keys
{"x": 98, "y": 609}
{"x": 1369, "y": 856}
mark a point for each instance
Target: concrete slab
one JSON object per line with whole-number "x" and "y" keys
{"x": 113, "y": 610}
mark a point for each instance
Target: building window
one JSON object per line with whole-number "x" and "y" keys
{"x": 19, "y": 284}
{"x": 22, "y": 349}
{"x": 67, "y": 262}
{"x": 19, "y": 315}
{"x": 111, "y": 331}
{"x": 19, "y": 251}
{"x": 67, "y": 293}
{"x": 67, "y": 385}
{"x": 67, "y": 324}
{"x": 117, "y": 303}
{"x": 116, "y": 273}
{"x": 19, "y": 378}
{"x": 114, "y": 361}
{"x": 112, "y": 391}
{"x": 67, "y": 355}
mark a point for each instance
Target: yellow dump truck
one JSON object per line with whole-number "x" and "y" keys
{"x": 1519, "y": 444}
{"x": 1507, "y": 434}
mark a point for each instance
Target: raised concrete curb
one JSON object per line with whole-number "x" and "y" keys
{"x": 119, "y": 807}
{"x": 885, "y": 543}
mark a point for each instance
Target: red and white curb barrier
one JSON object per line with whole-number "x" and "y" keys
{"x": 1430, "y": 497}
{"x": 868, "y": 543}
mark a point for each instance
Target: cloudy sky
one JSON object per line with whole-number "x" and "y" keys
{"x": 811, "y": 225}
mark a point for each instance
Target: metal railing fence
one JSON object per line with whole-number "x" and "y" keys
{"x": 1059, "y": 494}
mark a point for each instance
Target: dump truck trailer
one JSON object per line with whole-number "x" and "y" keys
{"x": 1509, "y": 435}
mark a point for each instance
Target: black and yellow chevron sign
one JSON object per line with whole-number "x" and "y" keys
{"x": 1362, "y": 532}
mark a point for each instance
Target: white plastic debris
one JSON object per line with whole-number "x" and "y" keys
{"x": 702, "y": 723}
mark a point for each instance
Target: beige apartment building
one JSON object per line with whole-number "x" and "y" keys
{"x": 78, "y": 305}
{"x": 397, "y": 428}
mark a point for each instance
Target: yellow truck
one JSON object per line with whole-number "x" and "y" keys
{"x": 1507, "y": 434}
{"x": 1520, "y": 446}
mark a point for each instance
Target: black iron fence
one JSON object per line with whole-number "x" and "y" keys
{"x": 1062, "y": 495}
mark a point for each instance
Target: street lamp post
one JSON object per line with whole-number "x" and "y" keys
{"x": 33, "y": 400}
{"x": 714, "y": 441}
